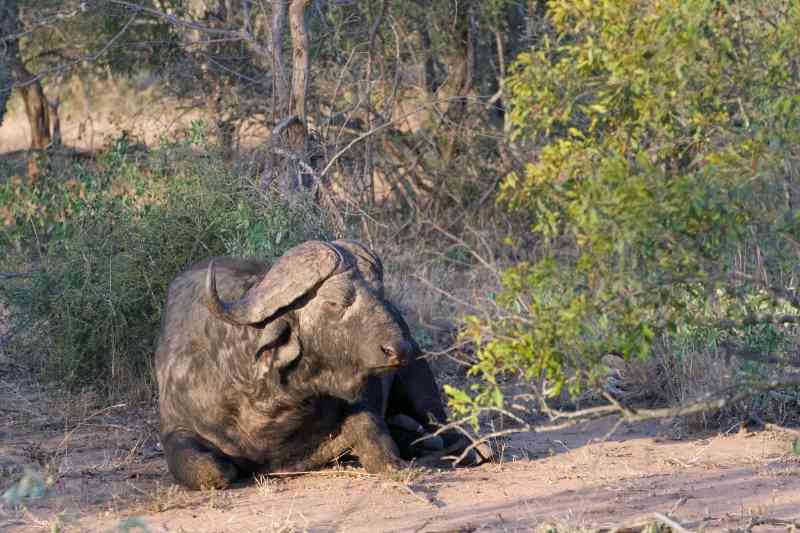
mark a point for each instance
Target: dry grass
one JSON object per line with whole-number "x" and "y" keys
{"x": 677, "y": 375}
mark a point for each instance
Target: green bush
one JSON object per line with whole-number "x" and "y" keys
{"x": 104, "y": 244}
{"x": 664, "y": 190}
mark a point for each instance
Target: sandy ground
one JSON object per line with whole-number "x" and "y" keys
{"x": 105, "y": 472}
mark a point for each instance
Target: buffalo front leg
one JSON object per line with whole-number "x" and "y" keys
{"x": 365, "y": 435}
{"x": 194, "y": 465}
{"x": 415, "y": 393}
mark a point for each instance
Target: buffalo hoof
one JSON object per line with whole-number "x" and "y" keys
{"x": 482, "y": 453}
{"x": 382, "y": 465}
{"x": 212, "y": 473}
{"x": 201, "y": 471}
{"x": 196, "y": 467}
{"x": 411, "y": 438}
{"x": 455, "y": 446}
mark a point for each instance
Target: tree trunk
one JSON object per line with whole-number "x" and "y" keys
{"x": 465, "y": 67}
{"x": 56, "y": 120}
{"x": 9, "y": 24}
{"x": 300, "y": 58}
{"x": 368, "y": 156}
{"x": 430, "y": 81}
{"x": 35, "y": 107}
{"x": 280, "y": 87}
{"x": 289, "y": 140}
{"x": 464, "y": 79}
{"x": 5, "y": 87}
{"x": 29, "y": 87}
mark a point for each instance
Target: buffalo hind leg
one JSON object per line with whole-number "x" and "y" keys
{"x": 196, "y": 466}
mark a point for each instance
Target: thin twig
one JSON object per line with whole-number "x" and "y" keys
{"x": 383, "y": 126}
{"x": 88, "y": 58}
{"x": 334, "y": 210}
{"x": 489, "y": 266}
{"x": 83, "y": 422}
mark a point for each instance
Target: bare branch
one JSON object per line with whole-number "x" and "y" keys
{"x": 627, "y": 415}
{"x": 445, "y": 293}
{"x": 489, "y": 266}
{"x": 90, "y": 57}
{"x": 385, "y": 125}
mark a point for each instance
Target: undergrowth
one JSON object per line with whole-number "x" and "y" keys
{"x": 98, "y": 245}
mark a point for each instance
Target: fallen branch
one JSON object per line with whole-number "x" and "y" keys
{"x": 775, "y": 427}
{"x": 627, "y": 414}
{"x": 756, "y": 521}
{"x": 791, "y": 524}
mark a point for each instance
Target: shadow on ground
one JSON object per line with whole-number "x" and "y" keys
{"x": 103, "y": 465}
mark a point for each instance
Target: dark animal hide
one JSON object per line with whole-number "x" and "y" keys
{"x": 285, "y": 368}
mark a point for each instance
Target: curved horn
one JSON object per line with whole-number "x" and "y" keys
{"x": 367, "y": 262}
{"x": 293, "y": 275}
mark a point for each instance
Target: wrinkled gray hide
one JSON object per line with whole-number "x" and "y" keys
{"x": 284, "y": 367}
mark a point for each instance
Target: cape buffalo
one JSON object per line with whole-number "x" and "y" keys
{"x": 286, "y": 367}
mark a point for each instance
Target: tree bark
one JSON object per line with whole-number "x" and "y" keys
{"x": 465, "y": 68}
{"x": 300, "y": 57}
{"x": 36, "y": 108}
{"x": 7, "y": 26}
{"x": 464, "y": 79}
{"x": 368, "y": 156}
{"x": 29, "y": 87}
{"x": 6, "y": 81}
{"x": 280, "y": 88}
{"x": 430, "y": 80}
{"x": 56, "y": 120}
{"x": 289, "y": 139}
{"x": 5, "y": 87}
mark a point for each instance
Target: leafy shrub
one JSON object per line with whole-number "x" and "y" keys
{"x": 104, "y": 244}
{"x": 664, "y": 191}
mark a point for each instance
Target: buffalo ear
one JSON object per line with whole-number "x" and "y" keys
{"x": 278, "y": 344}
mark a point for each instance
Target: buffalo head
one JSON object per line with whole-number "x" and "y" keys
{"x": 323, "y": 301}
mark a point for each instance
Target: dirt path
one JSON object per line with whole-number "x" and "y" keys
{"x": 104, "y": 469}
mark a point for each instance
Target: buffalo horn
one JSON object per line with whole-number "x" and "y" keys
{"x": 298, "y": 271}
